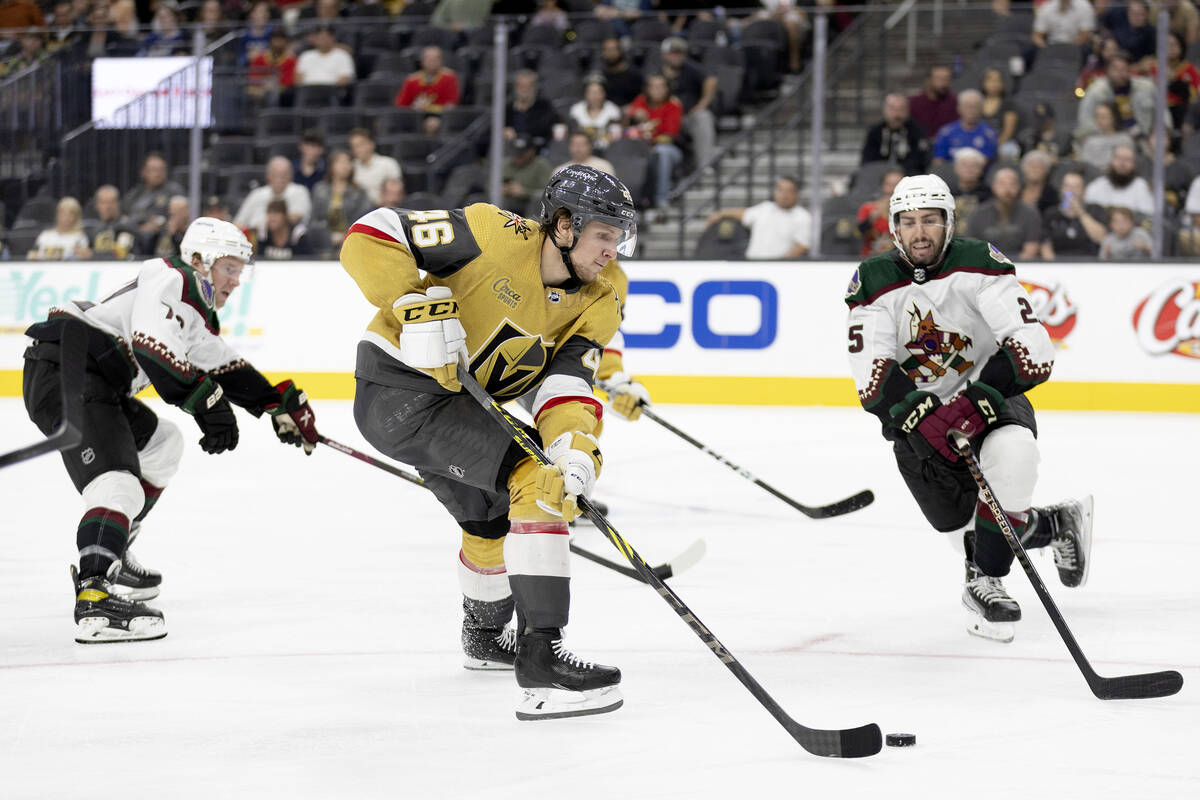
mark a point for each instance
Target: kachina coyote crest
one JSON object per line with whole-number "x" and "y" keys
{"x": 933, "y": 351}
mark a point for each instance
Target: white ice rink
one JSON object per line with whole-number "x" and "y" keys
{"x": 314, "y": 616}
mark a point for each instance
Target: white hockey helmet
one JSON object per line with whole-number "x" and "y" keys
{"x": 212, "y": 239}
{"x": 914, "y": 193}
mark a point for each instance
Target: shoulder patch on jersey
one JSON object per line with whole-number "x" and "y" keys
{"x": 854, "y": 286}
{"x": 996, "y": 255}
{"x": 519, "y": 225}
{"x": 208, "y": 294}
{"x": 441, "y": 242}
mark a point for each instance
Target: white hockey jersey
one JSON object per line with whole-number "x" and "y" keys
{"x": 936, "y": 329}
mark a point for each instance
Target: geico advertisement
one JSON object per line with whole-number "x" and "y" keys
{"x": 1113, "y": 323}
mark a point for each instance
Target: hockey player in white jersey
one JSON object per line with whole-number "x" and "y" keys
{"x": 160, "y": 329}
{"x": 943, "y": 337}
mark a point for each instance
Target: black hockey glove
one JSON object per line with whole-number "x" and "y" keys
{"x": 213, "y": 414}
{"x": 293, "y": 418}
{"x": 915, "y": 416}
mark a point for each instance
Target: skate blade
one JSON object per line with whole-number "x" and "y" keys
{"x": 563, "y": 703}
{"x": 485, "y": 665}
{"x": 992, "y": 631}
{"x": 96, "y": 630}
{"x": 138, "y": 595}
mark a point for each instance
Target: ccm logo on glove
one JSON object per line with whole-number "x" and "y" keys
{"x": 429, "y": 312}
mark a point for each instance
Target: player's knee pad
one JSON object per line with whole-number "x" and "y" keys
{"x": 1009, "y": 458}
{"x": 522, "y": 494}
{"x": 159, "y": 459}
{"x": 118, "y": 491}
{"x": 481, "y": 571}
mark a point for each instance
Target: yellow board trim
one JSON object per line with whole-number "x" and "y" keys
{"x": 784, "y": 391}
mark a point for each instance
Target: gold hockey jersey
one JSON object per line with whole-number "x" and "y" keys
{"x": 521, "y": 334}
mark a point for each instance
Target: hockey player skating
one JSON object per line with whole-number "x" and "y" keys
{"x": 160, "y": 329}
{"x": 526, "y": 303}
{"x": 942, "y": 337}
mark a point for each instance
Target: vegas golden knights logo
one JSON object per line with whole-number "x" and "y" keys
{"x": 511, "y": 362}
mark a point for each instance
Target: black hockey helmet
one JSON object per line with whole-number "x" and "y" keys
{"x": 591, "y": 195}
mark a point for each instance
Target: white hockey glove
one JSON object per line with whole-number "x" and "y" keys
{"x": 577, "y": 461}
{"x": 431, "y": 337}
{"x": 626, "y": 395}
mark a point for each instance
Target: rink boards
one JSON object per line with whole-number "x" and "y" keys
{"x": 736, "y": 333}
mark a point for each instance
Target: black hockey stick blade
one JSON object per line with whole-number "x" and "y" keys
{"x": 1137, "y": 687}
{"x": 850, "y": 743}
{"x": 664, "y": 571}
{"x": 860, "y": 500}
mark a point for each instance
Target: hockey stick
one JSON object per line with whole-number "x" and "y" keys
{"x": 854, "y": 503}
{"x": 1151, "y": 684}
{"x": 69, "y": 433}
{"x": 664, "y": 571}
{"x": 846, "y": 743}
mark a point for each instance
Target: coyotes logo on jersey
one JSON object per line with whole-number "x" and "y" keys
{"x": 933, "y": 351}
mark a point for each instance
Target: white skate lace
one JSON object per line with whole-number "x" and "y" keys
{"x": 507, "y": 640}
{"x": 130, "y": 564}
{"x": 566, "y": 655}
{"x": 987, "y": 589}
{"x": 1064, "y": 553}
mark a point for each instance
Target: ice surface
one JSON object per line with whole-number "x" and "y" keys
{"x": 313, "y": 612}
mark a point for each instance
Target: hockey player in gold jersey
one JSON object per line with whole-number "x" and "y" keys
{"x": 526, "y": 305}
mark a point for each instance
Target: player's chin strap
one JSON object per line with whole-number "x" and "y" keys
{"x": 573, "y": 282}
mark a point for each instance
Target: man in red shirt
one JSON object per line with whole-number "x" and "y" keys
{"x": 16, "y": 14}
{"x": 433, "y": 87}
{"x": 272, "y": 72}
{"x": 873, "y": 216}
{"x": 935, "y": 105}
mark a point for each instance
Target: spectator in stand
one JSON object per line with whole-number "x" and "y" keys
{"x": 283, "y": 239}
{"x": 165, "y": 242}
{"x": 432, "y": 88}
{"x": 460, "y": 15}
{"x": 1125, "y": 240}
{"x": 897, "y": 139}
{"x": 525, "y": 175}
{"x": 370, "y": 168}
{"x": 1121, "y": 185}
{"x": 115, "y": 237}
{"x": 595, "y": 113}
{"x": 66, "y": 241}
{"x": 659, "y": 120}
{"x": 551, "y": 16}
{"x": 873, "y": 216}
{"x": 696, "y": 89}
{"x": 326, "y": 64}
{"x": 271, "y": 76}
{"x": 325, "y": 12}
{"x": 529, "y": 116}
{"x": 779, "y": 228}
{"x": 1097, "y": 148}
{"x": 391, "y": 194}
{"x": 1063, "y": 22}
{"x": 128, "y": 39}
{"x": 1006, "y": 222}
{"x": 1036, "y": 189}
{"x": 165, "y": 37}
{"x": 1183, "y": 79}
{"x": 968, "y": 131}
{"x": 31, "y": 49}
{"x": 1183, "y": 19}
{"x": 1000, "y": 114}
{"x": 217, "y": 208}
{"x": 1189, "y": 236}
{"x": 212, "y": 20}
{"x": 968, "y": 187}
{"x": 337, "y": 201}
{"x": 15, "y": 14}
{"x": 935, "y": 106}
{"x": 1131, "y": 26}
{"x": 579, "y": 145}
{"x": 146, "y": 204}
{"x": 1096, "y": 65}
{"x": 253, "y": 213}
{"x": 257, "y": 35}
{"x": 621, "y": 14}
{"x": 309, "y": 166}
{"x": 1069, "y": 229}
{"x": 622, "y": 81}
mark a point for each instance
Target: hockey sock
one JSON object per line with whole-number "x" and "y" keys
{"x": 538, "y": 560}
{"x": 152, "y": 493}
{"x": 101, "y": 537}
{"x": 992, "y": 554}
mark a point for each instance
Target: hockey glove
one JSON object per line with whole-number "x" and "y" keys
{"x": 577, "y": 461}
{"x": 974, "y": 410}
{"x": 207, "y": 404}
{"x": 626, "y": 395}
{"x": 431, "y": 337}
{"x": 916, "y": 417}
{"x": 293, "y": 418}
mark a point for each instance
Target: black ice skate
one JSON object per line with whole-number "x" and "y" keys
{"x": 135, "y": 582}
{"x": 488, "y": 648}
{"x": 101, "y": 616}
{"x": 992, "y": 611}
{"x": 1071, "y": 521}
{"x": 557, "y": 683}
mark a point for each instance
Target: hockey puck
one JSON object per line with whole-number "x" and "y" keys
{"x": 901, "y": 739}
